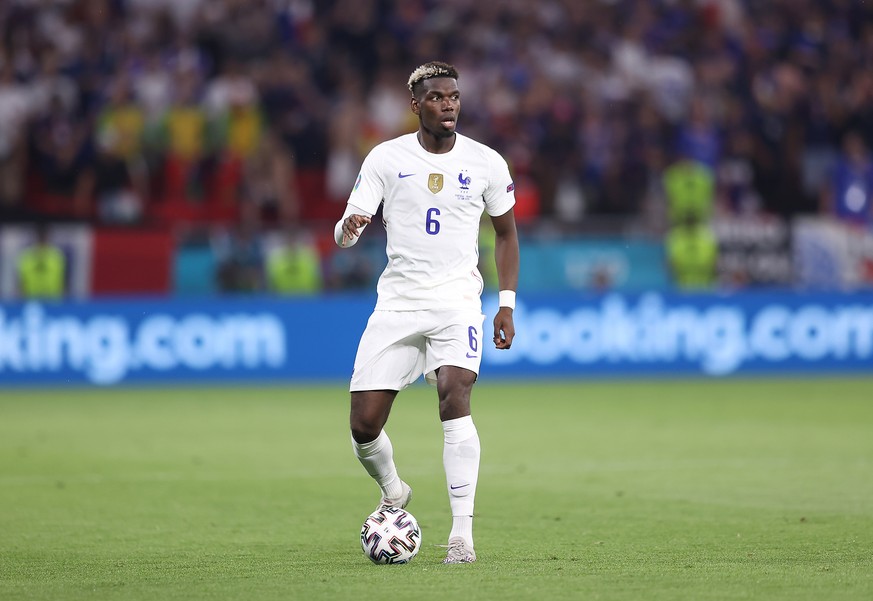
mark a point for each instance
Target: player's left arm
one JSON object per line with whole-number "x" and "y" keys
{"x": 506, "y": 256}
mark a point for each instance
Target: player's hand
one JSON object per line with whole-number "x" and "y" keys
{"x": 351, "y": 225}
{"x": 504, "y": 328}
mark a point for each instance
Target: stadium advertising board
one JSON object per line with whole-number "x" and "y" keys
{"x": 713, "y": 335}
{"x": 754, "y": 251}
{"x": 832, "y": 255}
{"x": 280, "y": 340}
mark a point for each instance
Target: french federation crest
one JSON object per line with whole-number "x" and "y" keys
{"x": 464, "y": 180}
{"x": 435, "y": 182}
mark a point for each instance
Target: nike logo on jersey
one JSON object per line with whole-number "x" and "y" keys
{"x": 469, "y": 356}
{"x": 401, "y": 175}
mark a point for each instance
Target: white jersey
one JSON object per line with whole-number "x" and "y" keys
{"x": 432, "y": 207}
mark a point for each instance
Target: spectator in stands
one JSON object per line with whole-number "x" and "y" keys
{"x": 689, "y": 186}
{"x": 294, "y": 268}
{"x": 232, "y": 86}
{"x": 240, "y": 255}
{"x": 346, "y": 137}
{"x": 296, "y": 111}
{"x": 42, "y": 269}
{"x": 120, "y": 170}
{"x": 735, "y": 176}
{"x": 51, "y": 85}
{"x": 62, "y": 151}
{"x": 698, "y": 137}
{"x": 269, "y": 182}
{"x": 153, "y": 88}
{"x": 692, "y": 253}
{"x": 850, "y": 194}
{"x": 14, "y": 117}
{"x": 182, "y": 139}
{"x": 237, "y": 129}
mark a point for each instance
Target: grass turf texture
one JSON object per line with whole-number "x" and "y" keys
{"x": 620, "y": 491}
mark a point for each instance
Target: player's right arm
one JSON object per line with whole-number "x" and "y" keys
{"x": 363, "y": 202}
{"x": 350, "y": 226}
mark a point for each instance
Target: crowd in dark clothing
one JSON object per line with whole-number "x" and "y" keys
{"x": 110, "y": 107}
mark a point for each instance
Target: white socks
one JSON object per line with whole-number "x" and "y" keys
{"x": 377, "y": 457}
{"x": 461, "y": 461}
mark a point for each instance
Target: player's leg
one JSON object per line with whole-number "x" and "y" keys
{"x": 390, "y": 357}
{"x": 461, "y": 451}
{"x": 453, "y": 351}
{"x": 368, "y": 415}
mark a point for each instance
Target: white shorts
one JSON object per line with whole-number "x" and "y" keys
{"x": 399, "y": 346}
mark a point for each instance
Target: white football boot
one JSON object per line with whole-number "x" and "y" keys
{"x": 459, "y": 551}
{"x": 401, "y": 501}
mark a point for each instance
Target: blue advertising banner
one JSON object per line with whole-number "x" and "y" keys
{"x": 703, "y": 334}
{"x": 167, "y": 340}
{"x": 267, "y": 339}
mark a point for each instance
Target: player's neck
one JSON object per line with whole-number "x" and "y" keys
{"x": 435, "y": 144}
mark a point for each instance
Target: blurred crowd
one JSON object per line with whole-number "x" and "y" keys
{"x": 610, "y": 112}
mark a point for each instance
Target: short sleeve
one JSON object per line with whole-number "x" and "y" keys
{"x": 500, "y": 193}
{"x": 369, "y": 188}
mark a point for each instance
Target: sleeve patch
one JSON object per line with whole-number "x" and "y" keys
{"x": 510, "y": 187}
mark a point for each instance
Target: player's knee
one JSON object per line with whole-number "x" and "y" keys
{"x": 365, "y": 428}
{"x": 369, "y": 413}
{"x": 363, "y": 437}
{"x": 455, "y": 402}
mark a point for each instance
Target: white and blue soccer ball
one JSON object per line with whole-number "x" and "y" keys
{"x": 390, "y": 535}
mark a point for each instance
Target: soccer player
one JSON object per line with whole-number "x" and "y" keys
{"x": 434, "y": 186}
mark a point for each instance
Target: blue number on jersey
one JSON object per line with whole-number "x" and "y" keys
{"x": 431, "y": 225}
{"x": 474, "y": 344}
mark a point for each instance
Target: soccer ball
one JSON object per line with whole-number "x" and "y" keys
{"x": 390, "y": 535}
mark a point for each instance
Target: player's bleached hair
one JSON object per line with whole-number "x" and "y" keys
{"x": 430, "y": 70}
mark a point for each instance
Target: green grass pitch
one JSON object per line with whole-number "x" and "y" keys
{"x": 647, "y": 490}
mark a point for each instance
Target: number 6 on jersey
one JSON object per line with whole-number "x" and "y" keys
{"x": 431, "y": 225}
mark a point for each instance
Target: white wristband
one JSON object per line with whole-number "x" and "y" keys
{"x": 506, "y": 298}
